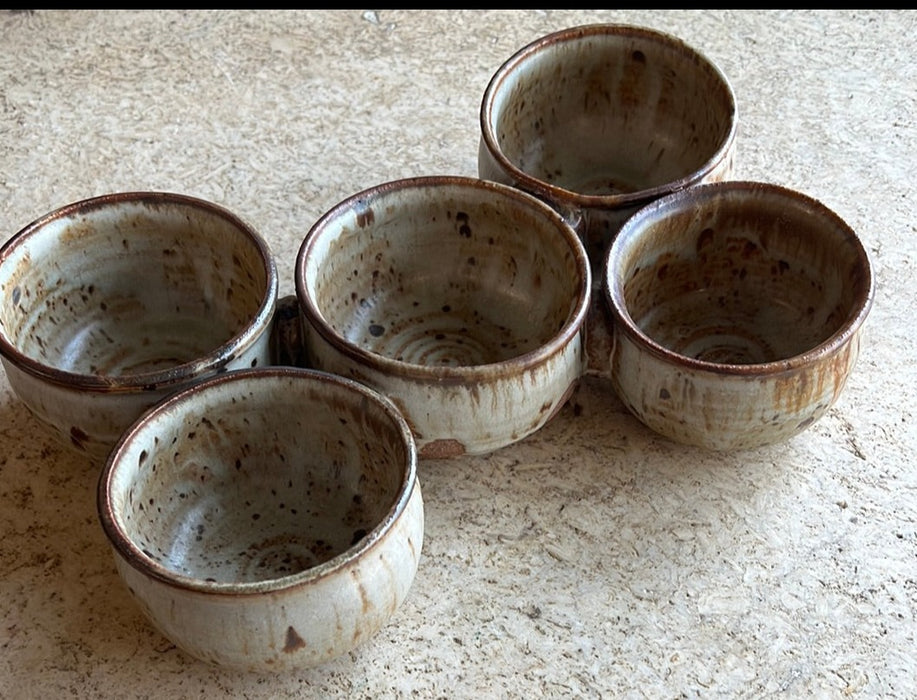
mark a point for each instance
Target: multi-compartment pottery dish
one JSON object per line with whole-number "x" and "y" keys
{"x": 267, "y": 516}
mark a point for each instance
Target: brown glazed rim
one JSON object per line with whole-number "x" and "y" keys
{"x": 399, "y": 368}
{"x": 185, "y": 398}
{"x": 609, "y": 201}
{"x": 697, "y": 196}
{"x": 212, "y": 361}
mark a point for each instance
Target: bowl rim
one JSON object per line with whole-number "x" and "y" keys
{"x": 613, "y": 284}
{"x": 390, "y": 366}
{"x": 134, "y": 556}
{"x": 548, "y": 190}
{"x": 212, "y": 361}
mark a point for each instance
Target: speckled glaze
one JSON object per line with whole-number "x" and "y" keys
{"x": 268, "y": 519}
{"x": 599, "y": 120}
{"x": 461, "y": 300}
{"x": 111, "y": 303}
{"x": 737, "y": 312}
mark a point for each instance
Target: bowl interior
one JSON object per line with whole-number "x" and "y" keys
{"x": 444, "y": 275}
{"x": 610, "y": 111}
{"x": 738, "y": 274}
{"x": 257, "y": 475}
{"x": 130, "y": 286}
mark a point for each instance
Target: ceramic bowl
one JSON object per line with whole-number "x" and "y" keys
{"x": 738, "y": 311}
{"x": 267, "y": 519}
{"x": 461, "y": 300}
{"x": 599, "y": 120}
{"x": 110, "y": 304}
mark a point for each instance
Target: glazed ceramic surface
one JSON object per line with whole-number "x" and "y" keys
{"x": 267, "y": 519}
{"x": 461, "y": 300}
{"x": 738, "y": 310}
{"x": 599, "y": 120}
{"x": 112, "y": 303}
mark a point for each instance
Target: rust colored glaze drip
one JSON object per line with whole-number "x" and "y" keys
{"x": 442, "y": 449}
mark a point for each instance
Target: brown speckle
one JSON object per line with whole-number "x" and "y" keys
{"x": 704, "y": 238}
{"x": 293, "y": 641}
{"x": 366, "y": 218}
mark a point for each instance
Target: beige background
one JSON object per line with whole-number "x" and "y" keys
{"x": 593, "y": 559}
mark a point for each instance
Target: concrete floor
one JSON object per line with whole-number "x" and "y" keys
{"x": 593, "y": 559}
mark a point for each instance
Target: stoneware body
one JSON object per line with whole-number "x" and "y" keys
{"x": 461, "y": 300}
{"x": 737, "y": 313}
{"x": 268, "y": 519}
{"x": 112, "y": 303}
{"x": 599, "y": 120}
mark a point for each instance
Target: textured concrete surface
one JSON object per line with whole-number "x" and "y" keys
{"x": 593, "y": 559}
